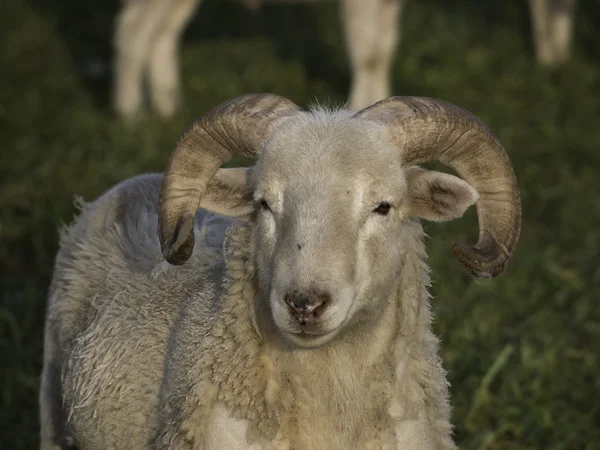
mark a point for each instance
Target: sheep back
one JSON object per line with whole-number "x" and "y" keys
{"x": 112, "y": 308}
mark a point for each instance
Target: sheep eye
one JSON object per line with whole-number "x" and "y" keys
{"x": 383, "y": 209}
{"x": 264, "y": 205}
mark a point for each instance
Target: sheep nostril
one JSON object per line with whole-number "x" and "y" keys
{"x": 298, "y": 306}
{"x": 305, "y": 308}
{"x": 297, "y": 301}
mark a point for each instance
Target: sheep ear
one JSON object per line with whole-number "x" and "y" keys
{"x": 438, "y": 196}
{"x": 229, "y": 192}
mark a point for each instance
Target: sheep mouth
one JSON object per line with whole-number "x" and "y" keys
{"x": 314, "y": 328}
{"x": 310, "y": 331}
{"x": 311, "y": 338}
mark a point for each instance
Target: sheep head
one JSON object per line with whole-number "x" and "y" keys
{"x": 332, "y": 195}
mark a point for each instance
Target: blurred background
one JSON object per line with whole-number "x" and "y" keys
{"x": 522, "y": 351}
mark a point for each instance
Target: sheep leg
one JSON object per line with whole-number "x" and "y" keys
{"x": 53, "y": 434}
{"x": 136, "y": 29}
{"x": 50, "y": 412}
{"x": 539, "y": 20}
{"x": 164, "y": 60}
{"x": 562, "y": 29}
{"x": 372, "y": 31}
{"x": 552, "y": 22}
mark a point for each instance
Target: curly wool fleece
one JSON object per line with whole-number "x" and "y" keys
{"x": 140, "y": 371}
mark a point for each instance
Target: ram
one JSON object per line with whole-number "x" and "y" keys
{"x": 292, "y": 311}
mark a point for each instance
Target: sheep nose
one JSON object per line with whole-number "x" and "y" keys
{"x": 306, "y": 307}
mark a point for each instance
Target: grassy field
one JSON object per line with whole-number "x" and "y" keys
{"x": 522, "y": 351}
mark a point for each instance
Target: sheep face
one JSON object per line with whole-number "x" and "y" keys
{"x": 334, "y": 207}
{"x": 334, "y": 197}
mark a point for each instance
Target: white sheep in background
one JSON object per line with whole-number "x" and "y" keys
{"x": 310, "y": 326}
{"x": 147, "y": 46}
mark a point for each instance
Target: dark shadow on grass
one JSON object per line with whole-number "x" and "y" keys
{"x": 87, "y": 27}
{"x": 295, "y": 30}
{"x": 301, "y": 31}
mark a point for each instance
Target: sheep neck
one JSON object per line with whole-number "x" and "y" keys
{"x": 333, "y": 390}
{"x": 366, "y": 373}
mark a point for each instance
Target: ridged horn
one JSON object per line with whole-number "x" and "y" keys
{"x": 237, "y": 127}
{"x": 424, "y": 130}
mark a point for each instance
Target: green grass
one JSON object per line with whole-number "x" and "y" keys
{"x": 522, "y": 351}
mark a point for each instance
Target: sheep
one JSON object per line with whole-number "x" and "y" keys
{"x": 148, "y": 32}
{"x": 280, "y": 306}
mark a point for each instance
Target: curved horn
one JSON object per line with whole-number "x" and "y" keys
{"x": 424, "y": 130}
{"x": 238, "y": 127}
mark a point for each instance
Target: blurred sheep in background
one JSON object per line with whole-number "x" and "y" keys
{"x": 148, "y": 33}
